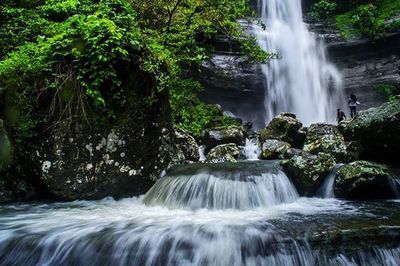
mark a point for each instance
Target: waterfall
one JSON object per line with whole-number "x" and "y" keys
{"x": 223, "y": 188}
{"x": 301, "y": 81}
{"x": 327, "y": 190}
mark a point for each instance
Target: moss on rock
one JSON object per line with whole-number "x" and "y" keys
{"x": 365, "y": 180}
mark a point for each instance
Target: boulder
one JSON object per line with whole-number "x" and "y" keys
{"x": 223, "y": 153}
{"x": 284, "y": 127}
{"x": 122, "y": 158}
{"x": 274, "y": 149}
{"x": 307, "y": 171}
{"x": 187, "y": 144}
{"x": 325, "y": 138}
{"x": 97, "y": 165}
{"x": 232, "y": 134}
{"x": 366, "y": 180}
{"x": 378, "y": 131}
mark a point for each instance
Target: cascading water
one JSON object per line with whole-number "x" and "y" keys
{"x": 246, "y": 213}
{"x": 327, "y": 190}
{"x": 223, "y": 188}
{"x": 301, "y": 81}
{"x": 252, "y": 149}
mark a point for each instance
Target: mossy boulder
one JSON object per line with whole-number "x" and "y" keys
{"x": 224, "y": 153}
{"x": 187, "y": 144}
{"x": 366, "y": 180}
{"x": 121, "y": 158}
{"x": 285, "y": 127}
{"x": 307, "y": 171}
{"x": 232, "y": 134}
{"x": 325, "y": 138}
{"x": 378, "y": 131}
{"x": 274, "y": 149}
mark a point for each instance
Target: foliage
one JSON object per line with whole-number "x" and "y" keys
{"x": 60, "y": 60}
{"x": 323, "y": 9}
{"x": 390, "y": 90}
{"x": 195, "y": 116}
{"x": 367, "y": 22}
{"x": 358, "y": 18}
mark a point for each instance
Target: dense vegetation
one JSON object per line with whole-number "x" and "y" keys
{"x": 359, "y": 18}
{"x": 74, "y": 62}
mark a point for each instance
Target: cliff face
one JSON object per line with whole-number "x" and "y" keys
{"x": 232, "y": 83}
{"x": 364, "y": 64}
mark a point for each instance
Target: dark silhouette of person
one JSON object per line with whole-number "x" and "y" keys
{"x": 353, "y": 102}
{"x": 340, "y": 116}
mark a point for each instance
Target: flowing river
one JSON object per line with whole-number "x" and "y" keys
{"x": 247, "y": 213}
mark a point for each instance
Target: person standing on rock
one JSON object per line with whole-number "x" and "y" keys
{"x": 353, "y": 102}
{"x": 340, "y": 116}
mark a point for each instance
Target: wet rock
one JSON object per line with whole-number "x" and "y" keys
{"x": 187, "y": 144}
{"x": 366, "y": 180}
{"x": 223, "y": 153}
{"x": 378, "y": 131}
{"x": 326, "y": 138}
{"x": 290, "y": 153}
{"x": 284, "y": 127}
{"x": 274, "y": 149}
{"x": 118, "y": 164}
{"x": 122, "y": 158}
{"x": 13, "y": 187}
{"x": 307, "y": 171}
{"x": 232, "y": 134}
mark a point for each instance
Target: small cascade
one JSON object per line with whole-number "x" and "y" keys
{"x": 246, "y": 213}
{"x": 223, "y": 186}
{"x": 327, "y": 190}
{"x": 395, "y": 186}
{"x": 301, "y": 81}
{"x": 202, "y": 153}
{"x": 252, "y": 149}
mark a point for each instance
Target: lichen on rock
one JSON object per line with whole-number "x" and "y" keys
{"x": 223, "y": 153}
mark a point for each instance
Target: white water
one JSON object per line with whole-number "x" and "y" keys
{"x": 231, "y": 224}
{"x": 302, "y": 81}
{"x": 202, "y": 153}
{"x": 252, "y": 149}
{"x": 327, "y": 190}
{"x": 222, "y": 191}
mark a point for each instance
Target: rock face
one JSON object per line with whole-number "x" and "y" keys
{"x": 284, "y": 127}
{"x": 366, "y": 180}
{"x": 274, "y": 149}
{"x": 365, "y": 64}
{"x": 223, "y": 153}
{"x": 187, "y": 144}
{"x": 12, "y": 188}
{"x": 96, "y": 166}
{"x": 233, "y": 134}
{"x": 234, "y": 84}
{"x": 121, "y": 159}
{"x": 328, "y": 139}
{"x": 378, "y": 131}
{"x": 308, "y": 171}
